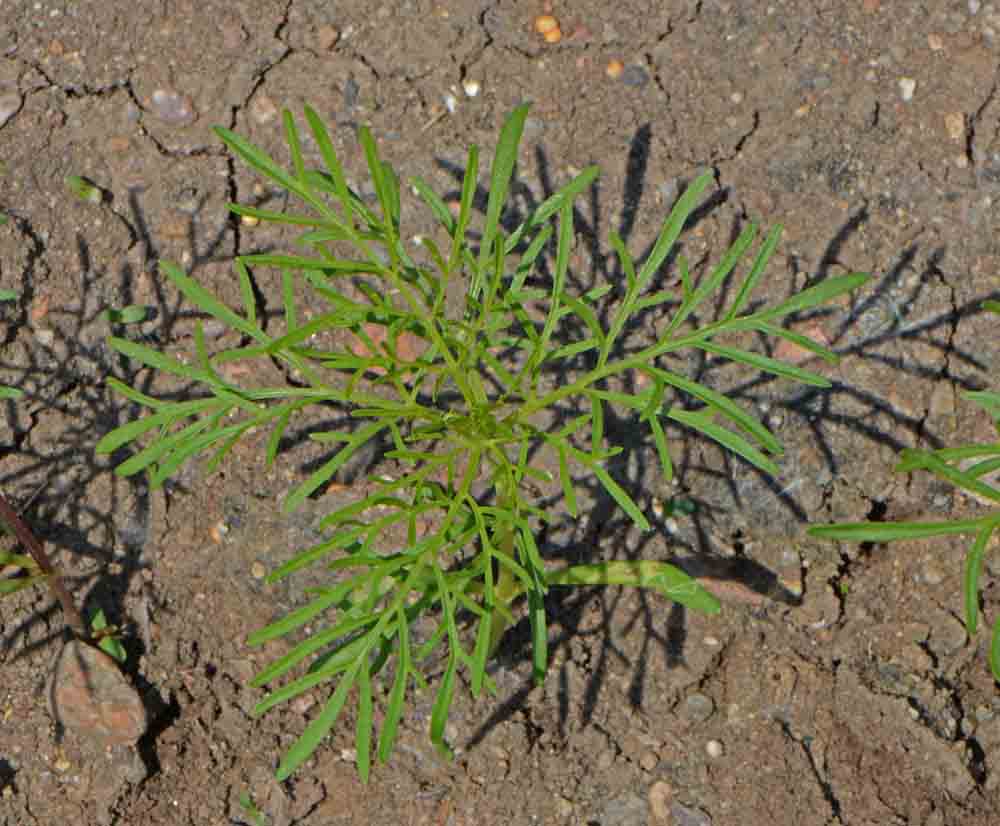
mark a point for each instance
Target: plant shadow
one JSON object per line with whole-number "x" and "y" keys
{"x": 881, "y": 315}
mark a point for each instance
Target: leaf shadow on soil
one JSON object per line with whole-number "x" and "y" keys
{"x": 68, "y": 380}
{"x": 881, "y": 316}
{"x": 69, "y": 494}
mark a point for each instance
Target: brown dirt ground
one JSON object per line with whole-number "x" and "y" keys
{"x": 864, "y": 704}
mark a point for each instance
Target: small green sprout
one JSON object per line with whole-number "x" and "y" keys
{"x": 255, "y": 815}
{"x": 84, "y": 189}
{"x": 132, "y": 314}
{"x": 107, "y": 636}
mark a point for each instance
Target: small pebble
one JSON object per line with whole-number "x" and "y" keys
{"x": 934, "y": 42}
{"x": 233, "y": 33}
{"x": 614, "y": 69}
{"x": 660, "y": 796}
{"x": 471, "y": 88}
{"x": 697, "y": 708}
{"x": 649, "y": 761}
{"x": 89, "y": 695}
{"x": 40, "y": 308}
{"x": 302, "y": 703}
{"x": 119, "y": 144}
{"x": 218, "y": 531}
{"x": 173, "y": 107}
{"x": 249, "y": 220}
{"x": 907, "y": 86}
{"x": 546, "y": 23}
{"x": 327, "y": 37}
{"x": 635, "y": 76}
{"x": 258, "y": 570}
{"x": 263, "y": 109}
{"x": 932, "y": 575}
{"x": 714, "y": 749}
{"x": 668, "y": 191}
{"x": 954, "y": 124}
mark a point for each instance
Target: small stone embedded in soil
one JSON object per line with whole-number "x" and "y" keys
{"x": 327, "y": 37}
{"x": 649, "y": 761}
{"x": 948, "y": 635}
{"x": 697, "y": 708}
{"x": 660, "y": 796}
{"x": 907, "y": 87}
{"x": 714, "y": 749}
{"x": 686, "y": 816}
{"x": 954, "y": 124}
{"x": 258, "y": 570}
{"x": 263, "y": 109}
{"x": 932, "y": 575}
{"x": 302, "y": 703}
{"x": 89, "y": 695}
{"x": 173, "y": 107}
{"x": 635, "y": 76}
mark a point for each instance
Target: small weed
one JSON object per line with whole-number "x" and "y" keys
{"x": 107, "y": 636}
{"x": 255, "y": 817}
{"x": 469, "y": 399}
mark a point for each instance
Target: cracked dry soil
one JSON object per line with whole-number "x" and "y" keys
{"x": 870, "y": 130}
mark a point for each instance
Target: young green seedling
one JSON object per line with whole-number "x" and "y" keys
{"x": 469, "y": 398}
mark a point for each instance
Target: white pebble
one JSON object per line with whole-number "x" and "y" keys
{"x": 450, "y": 103}
{"x": 714, "y": 749}
{"x": 907, "y": 86}
{"x": 471, "y": 88}
{"x": 173, "y": 108}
